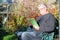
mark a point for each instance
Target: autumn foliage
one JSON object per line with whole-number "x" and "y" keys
{"x": 22, "y": 11}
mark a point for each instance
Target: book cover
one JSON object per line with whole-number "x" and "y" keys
{"x": 33, "y": 22}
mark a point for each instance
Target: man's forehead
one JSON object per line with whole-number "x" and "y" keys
{"x": 40, "y": 6}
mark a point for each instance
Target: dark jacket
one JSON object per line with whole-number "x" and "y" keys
{"x": 46, "y": 23}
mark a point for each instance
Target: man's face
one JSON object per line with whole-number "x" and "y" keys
{"x": 42, "y": 10}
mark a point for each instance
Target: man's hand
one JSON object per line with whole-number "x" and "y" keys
{"x": 36, "y": 27}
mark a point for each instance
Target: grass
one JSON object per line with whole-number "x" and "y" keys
{"x": 10, "y": 37}
{"x": 6, "y": 36}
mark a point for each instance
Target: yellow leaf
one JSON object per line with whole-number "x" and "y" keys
{"x": 45, "y": 0}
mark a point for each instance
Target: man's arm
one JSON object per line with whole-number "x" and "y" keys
{"x": 38, "y": 20}
{"x": 48, "y": 25}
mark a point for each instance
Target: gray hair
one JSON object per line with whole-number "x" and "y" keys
{"x": 45, "y": 5}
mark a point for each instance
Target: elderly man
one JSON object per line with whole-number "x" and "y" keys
{"x": 46, "y": 24}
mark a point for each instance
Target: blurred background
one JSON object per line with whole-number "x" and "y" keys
{"x": 15, "y": 14}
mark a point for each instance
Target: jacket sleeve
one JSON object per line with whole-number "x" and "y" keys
{"x": 47, "y": 25}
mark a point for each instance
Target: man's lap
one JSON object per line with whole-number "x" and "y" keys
{"x": 31, "y": 35}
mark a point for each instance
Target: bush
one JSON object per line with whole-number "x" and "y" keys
{"x": 10, "y": 37}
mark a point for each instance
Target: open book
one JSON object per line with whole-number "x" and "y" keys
{"x": 33, "y": 22}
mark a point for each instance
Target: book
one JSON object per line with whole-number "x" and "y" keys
{"x": 33, "y": 22}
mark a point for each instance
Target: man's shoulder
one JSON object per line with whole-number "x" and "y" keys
{"x": 50, "y": 15}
